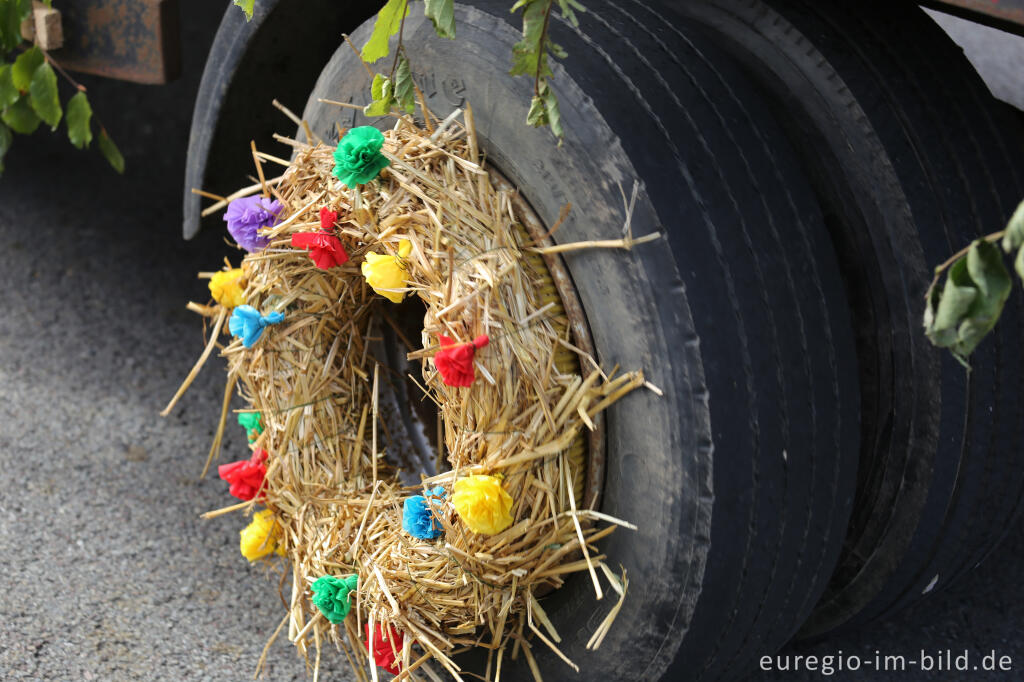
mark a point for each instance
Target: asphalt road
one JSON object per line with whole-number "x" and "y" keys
{"x": 108, "y": 571}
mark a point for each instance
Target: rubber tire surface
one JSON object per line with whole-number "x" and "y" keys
{"x": 741, "y": 477}
{"x": 912, "y": 159}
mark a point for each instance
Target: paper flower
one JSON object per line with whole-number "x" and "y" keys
{"x": 247, "y": 215}
{"x": 327, "y": 218}
{"x": 482, "y": 504}
{"x": 385, "y": 273}
{"x": 385, "y": 653}
{"x": 455, "y": 360}
{"x": 263, "y": 536}
{"x": 247, "y": 323}
{"x": 226, "y": 287}
{"x": 252, "y": 423}
{"x": 333, "y": 596}
{"x": 245, "y": 476}
{"x": 325, "y": 249}
{"x": 418, "y": 519}
{"x": 357, "y": 160}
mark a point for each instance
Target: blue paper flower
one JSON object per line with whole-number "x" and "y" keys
{"x": 418, "y": 520}
{"x": 247, "y": 323}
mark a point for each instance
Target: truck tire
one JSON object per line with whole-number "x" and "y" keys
{"x": 741, "y": 477}
{"x": 910, "y": 161}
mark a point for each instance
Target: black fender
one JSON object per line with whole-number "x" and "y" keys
{"x": 277, "y": 55}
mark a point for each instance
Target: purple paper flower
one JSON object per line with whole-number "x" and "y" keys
{"x": 247, "y": 215}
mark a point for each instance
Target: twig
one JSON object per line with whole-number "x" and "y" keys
{"x": 358, "y": 56}
{"x": 259, "y": 168}
{"x": 939, "y": 269}
{"x": 627, "y": 244}
{"x": 401, "y": 30}
{"x": 208, "y": 195}
{"x": 60, "y": 69}
{"x": 214, "y": 335}
{"x": 542, "y": 55}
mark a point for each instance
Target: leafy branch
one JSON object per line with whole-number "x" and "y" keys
{"x": 395, "y": 89}
{"x": 530, "y": 56}
{"x": 977, "y": 285}
{"x": 29, "y": 93}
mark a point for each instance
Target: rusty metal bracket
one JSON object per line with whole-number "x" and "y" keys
{"x": 132, "y": 40}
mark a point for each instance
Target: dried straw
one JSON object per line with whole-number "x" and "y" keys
{"x": 331, "y": 479}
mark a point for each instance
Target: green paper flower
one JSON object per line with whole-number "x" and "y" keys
{"x": 251, "y": 422}
{"x": 332, "y": 595}
{"x": 357, "y": 160}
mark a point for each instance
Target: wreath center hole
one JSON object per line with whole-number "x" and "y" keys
{"x": 409, "y": 419}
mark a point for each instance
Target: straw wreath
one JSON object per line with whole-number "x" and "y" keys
{"x": 329, "y": 478}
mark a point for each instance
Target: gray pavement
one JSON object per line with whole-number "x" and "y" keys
{"x": 108, "y": 573}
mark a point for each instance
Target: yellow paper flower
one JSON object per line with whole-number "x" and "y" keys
{"x": 483, "y": 504}
{"x": 262, "y": 537}
{"x": 226, "y": 287}
{"x": 384, "y": 272}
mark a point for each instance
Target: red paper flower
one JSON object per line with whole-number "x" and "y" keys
{"x": 245, "y": 476}
{"x": 325, "y": 249}
{"x": 382, "y": 653}
{"x": 455, "y": 361}
{"x": 327, "y": 219}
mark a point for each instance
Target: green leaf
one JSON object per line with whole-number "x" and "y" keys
{"x": 442, "y": 14}
{"x": 8, "y": 93}
{"x": 246, "y": 6}
{"x": 378, "y": 108}
{"x": 985, "y": 267}
{"x": 529, "y": 55}
{"x": 6, "y": 138}
{"x": 79, "y": 114}
{"x": 25, "y": 67}
{"x": 12, "y": 13}
{"x": 405, "y": 92}
{"x": 43, "y": 95}
{"x": 380, "y": 85}
{"x": 389, "y": 20}
{"x": 1018, "y": 263}
{"x": 383, "y": 92}
{"x": 971, "y": 301}
{"x": 110, "y": 151}
{"x": 945, "y": 310}
{"x": 538, "y": 114}
{"x": 544, "y": 111}
{"x": 566, "y": 7}
{"x": 1013, "y": 238}
{"x": 21, "y": 117}
{"x": 553, "y": 112}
